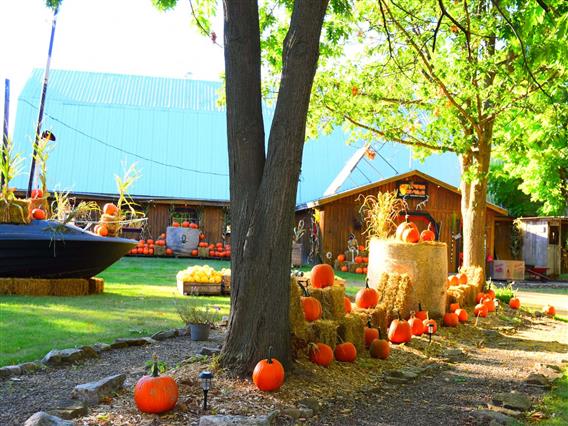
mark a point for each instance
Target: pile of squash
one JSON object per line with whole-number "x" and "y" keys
{"x": 146, "y": 247}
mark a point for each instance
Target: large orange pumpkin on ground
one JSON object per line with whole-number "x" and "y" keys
{"x": 322, "y": 276}
{"x": 421, "y": 314}
{"x": 321, "y": 354}
{"x": 371, "y": 334}
{"x": 416, "y": 325}
{"x": 380, "y": 349}
{"x": 400, "y": 331}
{"x": 155, "y": 394}
{"x": 462, "y": 315}
{"x": 480, "y": 310}
{"x": 490, "y": 303}
{"x": 451, "y": 319}
{"x": 345, "y": 352}
{"x": 514, "y": 303}
{"x": 367, "y": 297}
{"x": 428, "y": 321}
{"x": 268, "y": 374}
{"x": 549, "y": 310}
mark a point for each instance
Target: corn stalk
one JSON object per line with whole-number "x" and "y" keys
{"x": 379, "y": 213}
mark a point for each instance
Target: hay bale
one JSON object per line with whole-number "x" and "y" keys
{"x": 381, "y": 283}
{"x": 69, "y": 287}
{"x": 404, "y": 302}
{"x": 15, "y": 211}
{"x": 351, "y": 329}
{"x": 469, "y": 294}
{"x": 425, "y": 263}
{"x": 322, "y": 331}
{"x": 332, "y": 301}
{"x": 96, "y": 285}
{"x": 455, "y": 295}
{"x": 388, "y": 296}
{"x": 296, "y": 313}
{"x": 6, "y": 286}
{"x": 475, "y": 276}
{"x": 32, "y": 287}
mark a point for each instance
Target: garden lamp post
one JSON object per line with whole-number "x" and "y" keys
{"x": 496, "y": 304}
{"x": 430, "y": 332}
{"x": 206, "y": 378}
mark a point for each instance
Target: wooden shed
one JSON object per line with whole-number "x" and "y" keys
{"x": 429, "y": 200}
{"x": 545, "y": 244}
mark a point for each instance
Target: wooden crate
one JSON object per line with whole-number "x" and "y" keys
{"x": 159, "y": 250}
{"x": 297, "y": 250}
{"x": 203, "y": 251}
{"x": 198, "y": 289}
{"x": 226, "y": 284}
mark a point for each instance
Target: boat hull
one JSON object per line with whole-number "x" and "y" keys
{"x": 44, "y": 249}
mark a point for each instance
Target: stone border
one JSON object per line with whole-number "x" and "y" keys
{"x": 59, "y": 357}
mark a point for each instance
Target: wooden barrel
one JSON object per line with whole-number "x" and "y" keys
{"x": 425, "y": 263}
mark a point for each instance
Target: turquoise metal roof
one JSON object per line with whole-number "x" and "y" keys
{"x": 175, "y": 130}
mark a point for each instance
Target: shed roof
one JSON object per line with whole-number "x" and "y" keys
{"x": 175, "y": 130}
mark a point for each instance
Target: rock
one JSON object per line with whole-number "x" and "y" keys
{"x": 29, "y": 367}
{"x": 10, "y": 371}
{"x": 396, "y": 380}
{"x": 554, "y": 367}
{"x": 118, "y": 345}
{"x": 209, "y": 351}
{"x": 513, "y": 401}
{"x": 58, "y": 357}
{"x": 503, "y": 410}
{"x": 536, "y": 379}
{"x": 183, "y": 331}
{"x": 311, "y": 403}
{"x": 70, "y": 409}
{"x": 453, "y": 355}
{"x": 235, "y": 420}
{"x": 494, "y": 418}
{"x": 101, "y": 347}
{"x": 41, "y": 418}
{"x": 405, "y": 374}
{"x": 135, "y": 341}
{"x": 297, "y": 413}
{"x": 90, "y": 352}
{"x": 165, "y": 334}
{"x": 93, "y": 392}
{"x": 490, "y": 333}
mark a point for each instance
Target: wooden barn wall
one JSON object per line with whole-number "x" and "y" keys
{"x": 342, "y": 218}
{"x": 503, "y": 229}
{"x": 212, "y": 221}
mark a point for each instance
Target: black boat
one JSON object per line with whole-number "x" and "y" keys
{"x": 48, "y": 249}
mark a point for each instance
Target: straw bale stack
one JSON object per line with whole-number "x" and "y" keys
{"x": 51, "y": 287}
{"x": 474, "y": 276}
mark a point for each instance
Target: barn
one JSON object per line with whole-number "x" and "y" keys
{"x": 174, "y": 130}
{"x": 429, "y": 201}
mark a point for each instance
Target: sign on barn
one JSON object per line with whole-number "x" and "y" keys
{"x": 412, "y": 190}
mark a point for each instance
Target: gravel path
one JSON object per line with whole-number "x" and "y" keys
{"x": 452, "y": 394}
{"x": 22, "y": 396}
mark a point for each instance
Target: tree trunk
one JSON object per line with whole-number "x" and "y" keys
{"x": 474, "y": 168}
{"x": 262, "y": 205}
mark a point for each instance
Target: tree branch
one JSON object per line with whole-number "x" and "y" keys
{"x": 415, "y": 141}
{"x": 212, "y": 35}
{"x": 436, "y": 31}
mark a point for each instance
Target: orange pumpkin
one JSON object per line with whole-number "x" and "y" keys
{"x": 361, "y": 248}
{"x": 268, "y": 374}
{"x": 110, "y": 209}
{"x": 479, "y": 297}
{"x": 344, "y": 268}
{"x": 358, "y": 270}
{"x": 367, "y": 297}
{"x": 490, "y": 303}
{"x": 453, "y": 280}
{"x": 430, "y": 321}
{"x": 321, "y": 354}
{"x": 462, "y": 278}
{"x": 36, "y": 193}
{"x": 421, "y": 314}
{"x": 451, "y": 319}
{"x": 175, "y": 224}
{"x": 428, "y": 234}
{"x": 480, "y": 310}
{"x": 514, "y": 303}
{"x": 310, "y": 305}
{"x": 490, "y": 294}
{"x": 365, "y": 270}
{"x": 201, "y": 237}
{"x": 365, "y": 260}
{"x": 462, "y": 315}
{"x": 416, "y": 325}
{"x": 380, "y": 349}
{"x": 322, "y": 276}
{"x": 549, "y": 310}
{"x": 454, "y": 306}
{"x": 341, "y": 258}
{"x": 38, "y": 214}
{"x": 194, "y": 252}
{"x": 101, "y": 230}
{"x": 358, "y": 259}
{"x": 169, "y": 252}
{"x": 155, "y": 394}
{"x": 345, "y": 352}
{"x": 347, "y": 303}
{"x": 185, "y": 224}
{"x": 371, "y": 334}
{"x": 400, "y": 331}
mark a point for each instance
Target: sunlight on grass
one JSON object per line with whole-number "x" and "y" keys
{"x": 138, "y": 300}
{"x": 556, "y": 403}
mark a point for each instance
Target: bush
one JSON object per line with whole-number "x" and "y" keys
{"x": 191, "y": 311}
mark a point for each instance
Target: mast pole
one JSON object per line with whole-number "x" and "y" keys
{"x": 42, "y": 101}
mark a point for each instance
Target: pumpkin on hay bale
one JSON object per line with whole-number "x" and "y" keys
{"x": 332, "y": 299}
{"x": 377, "y": 315}
{"x": 352, "y": 329}
{"x": 474, "y": 276}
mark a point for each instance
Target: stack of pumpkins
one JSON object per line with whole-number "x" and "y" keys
{"x": 347, "y": 262}
{"x": 109, "y": 225}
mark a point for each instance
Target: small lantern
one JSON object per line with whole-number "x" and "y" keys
{"x": 430, "y": 331}
{"x": 496, "y": 301}
{"x": 206, "y": 378}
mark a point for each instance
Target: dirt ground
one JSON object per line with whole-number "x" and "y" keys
{"x": 459, "y": 372}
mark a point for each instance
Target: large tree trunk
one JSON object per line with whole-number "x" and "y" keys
{"x": 474, "y": 168}
{"x": 263, "y": 193}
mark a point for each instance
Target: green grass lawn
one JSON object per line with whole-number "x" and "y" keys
{"x": 556, "y": 403}
{"x": 138, "y": 300}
